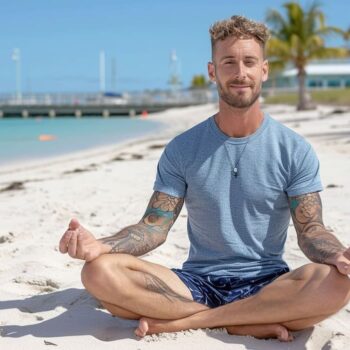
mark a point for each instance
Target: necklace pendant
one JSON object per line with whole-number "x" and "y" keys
{"x": 235, "y": 172}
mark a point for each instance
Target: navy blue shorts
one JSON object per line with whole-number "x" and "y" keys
{"x": 214, "y": 291}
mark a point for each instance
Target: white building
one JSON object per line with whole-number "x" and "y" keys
{"x": 320, "y": 74}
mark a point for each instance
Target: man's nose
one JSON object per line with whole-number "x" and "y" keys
{"x": 240, "y": 71}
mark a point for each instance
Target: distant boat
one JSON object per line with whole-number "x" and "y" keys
{"x": 115, "y": 98}
{"x": 112, "y": 98}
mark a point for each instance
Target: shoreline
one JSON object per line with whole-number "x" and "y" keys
{"x": 72, "y": 155}
{"x": 42, "y": 298}
{"x": 100, "y": 152}
{"x": 91, "y": 153}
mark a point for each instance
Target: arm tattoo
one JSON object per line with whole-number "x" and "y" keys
{"x": 162, "y": 211}
{"x": 155, "y": 284}
{"x": 131, "y": 240}
{"x": 318, "y": 244}
{"x": 151, "y": 231}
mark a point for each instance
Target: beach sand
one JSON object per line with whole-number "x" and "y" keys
{"x": 42, "y": 301}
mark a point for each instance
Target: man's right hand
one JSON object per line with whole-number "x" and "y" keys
{"x": 79, "y": 243}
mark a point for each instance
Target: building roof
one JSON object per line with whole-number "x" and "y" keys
{"x": 342, "y": 68}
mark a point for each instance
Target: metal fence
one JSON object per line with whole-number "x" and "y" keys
{"x": 195, "y": 96}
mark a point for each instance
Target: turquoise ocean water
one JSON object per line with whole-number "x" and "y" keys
{"x": 19, "y": 138}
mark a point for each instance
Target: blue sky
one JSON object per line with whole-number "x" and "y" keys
{"x": 60, "y": 40}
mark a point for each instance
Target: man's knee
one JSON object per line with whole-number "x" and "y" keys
{"x": 339, "y": 288}
{"x": 334, "y": 286}
{"x": 96, "y": 274}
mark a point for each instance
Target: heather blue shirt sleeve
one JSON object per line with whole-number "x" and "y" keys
{"x": 170, "y": 178}
{"x": 305, "y": 174}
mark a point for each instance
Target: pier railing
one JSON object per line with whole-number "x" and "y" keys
{"x": 152, "y": 97}
{"x": 98, "y": 104}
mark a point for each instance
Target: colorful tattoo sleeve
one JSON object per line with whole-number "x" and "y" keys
{"x": 151, "y": 231}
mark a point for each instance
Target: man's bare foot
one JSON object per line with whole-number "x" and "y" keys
{"x": 151, "y": 326}
{"x": 262, "y": 331}
{"x": 142, "y": 328}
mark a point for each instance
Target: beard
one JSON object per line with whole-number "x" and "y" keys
{"x": 238, "y": 100}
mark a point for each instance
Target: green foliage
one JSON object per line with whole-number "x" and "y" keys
{"x": 346, "y": 37}
{"x": 199, "y": 82}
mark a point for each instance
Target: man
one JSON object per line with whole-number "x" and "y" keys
{"x": 241, "y": 174}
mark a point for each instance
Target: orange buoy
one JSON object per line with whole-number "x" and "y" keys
{"x": 46, "y": 137}
{"x": 144, "y": 113}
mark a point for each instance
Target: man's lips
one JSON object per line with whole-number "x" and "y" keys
{"x": 239, "y": 86}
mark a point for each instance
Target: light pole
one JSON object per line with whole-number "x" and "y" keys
{"x": 16, "y": 57}
{"x": 102, "y": 72}
{"x": 113, "y": 75}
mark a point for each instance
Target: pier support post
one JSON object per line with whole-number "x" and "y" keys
{"x": 52, "y": 113}
{"x": 25, "y": 113}
{"x": 78, "y": 113}
{"x": 105, "y": 113}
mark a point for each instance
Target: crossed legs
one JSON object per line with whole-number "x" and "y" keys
{"x": 132, "y": 288}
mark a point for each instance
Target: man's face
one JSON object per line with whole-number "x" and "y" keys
{"x": 238, "y": 68}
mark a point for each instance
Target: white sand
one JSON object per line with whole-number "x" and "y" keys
{"x": 42, "y": 301}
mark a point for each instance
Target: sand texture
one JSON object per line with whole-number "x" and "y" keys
{"x": 43, "y": 304}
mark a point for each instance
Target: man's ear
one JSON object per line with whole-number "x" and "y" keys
{"x": 211, "y": 72}
{"x": 265, "y": 68}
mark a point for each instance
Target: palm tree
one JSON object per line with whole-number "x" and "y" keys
{"x": 297, "y": 38}
{"x": 346, "y": 37}
{"x": 199, "y": 82}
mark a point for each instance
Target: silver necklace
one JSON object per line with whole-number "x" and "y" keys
{"x": 235, "y": 166}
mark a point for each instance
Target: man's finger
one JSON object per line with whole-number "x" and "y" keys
{"x": 72, "y": 245}
{"x": 81, "y": 249}
{"x": 344, "y": 268}
{"x": 74, "y": 224}
{"x": 63, "y": 245}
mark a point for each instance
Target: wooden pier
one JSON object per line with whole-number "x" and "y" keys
{"x": 86, "y": 110}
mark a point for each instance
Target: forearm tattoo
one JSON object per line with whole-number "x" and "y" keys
{"x": 151, "y": 231}
{"x": 155, "y": 284}
{"x": 132, "y": 240}
{"x": 317, "y": 243}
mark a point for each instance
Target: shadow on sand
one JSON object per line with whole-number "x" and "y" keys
{"x": 82, "y": 317}
{"x": 299, "y": 342}
{"x": 78, "y": 314}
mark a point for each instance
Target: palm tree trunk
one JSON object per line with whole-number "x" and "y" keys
{"x": 301, "y": 90}
{"x": 304, "y": 99}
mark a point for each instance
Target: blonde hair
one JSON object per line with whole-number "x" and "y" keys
{"x": 241, "y": 28}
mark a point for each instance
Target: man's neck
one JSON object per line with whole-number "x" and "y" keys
{"x": 238, "y": 122}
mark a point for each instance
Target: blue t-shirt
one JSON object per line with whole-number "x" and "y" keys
{"x": 237, "y": 225}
